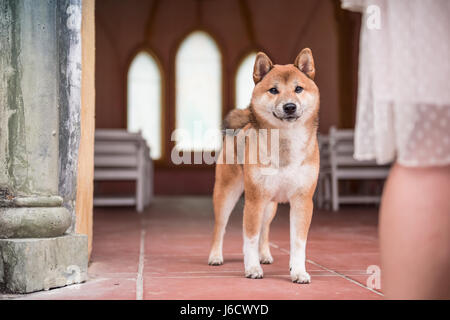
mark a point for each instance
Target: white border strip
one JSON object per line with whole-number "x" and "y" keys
{"x": 140, "y": 278}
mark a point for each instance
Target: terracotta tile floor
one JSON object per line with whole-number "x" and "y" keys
{"x": 163, "y": 254}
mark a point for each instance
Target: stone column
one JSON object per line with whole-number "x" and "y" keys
{"x": 36, "y": 253}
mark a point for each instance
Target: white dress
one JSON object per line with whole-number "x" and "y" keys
{"x": 403, "y": 108}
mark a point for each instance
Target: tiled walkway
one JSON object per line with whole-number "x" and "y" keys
{"x": 163, "y": 254}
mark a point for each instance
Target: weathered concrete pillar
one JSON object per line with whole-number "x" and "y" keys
{"x": 39, "y": 128}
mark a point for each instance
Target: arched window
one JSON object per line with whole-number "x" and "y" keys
{"x": 244, "y": 81}
{"x": 198, "y": 92}
{"x": 144, "y": 100}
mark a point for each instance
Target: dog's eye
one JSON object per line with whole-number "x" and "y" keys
{"x": 274, "y": 91}
{"x": 298, "y": 89}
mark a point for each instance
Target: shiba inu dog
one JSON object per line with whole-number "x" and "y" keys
{"x": 286, "y": 100}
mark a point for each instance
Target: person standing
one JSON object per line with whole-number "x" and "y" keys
{"x": 403, "y": 117}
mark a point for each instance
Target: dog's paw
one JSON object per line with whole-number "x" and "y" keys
{"x": 300, "y": 277}
{"x": 215, "y": 260}
{"x": 265, "y": 258}
{"x": 255, "y": 272}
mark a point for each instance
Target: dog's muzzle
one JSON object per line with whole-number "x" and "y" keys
{"x": 289, "y": 113}
{"x": 289, "y": 108}
{"x": 286, "y": 118}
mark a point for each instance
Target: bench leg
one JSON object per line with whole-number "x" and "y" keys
{"x": 327, "y": 187}
{"x": 140, "y": 187}
{"x": 335, "y": 193}
{"x": 140, "y": 194}
{"x": 319, "y": 194}
{"x": 146, "y": 183}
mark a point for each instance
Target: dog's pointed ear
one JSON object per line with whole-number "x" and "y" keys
{"x": 263, "y": 64}
{"x": 305, "y": 63}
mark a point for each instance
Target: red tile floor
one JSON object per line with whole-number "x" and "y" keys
{"x": 163, "y": 254}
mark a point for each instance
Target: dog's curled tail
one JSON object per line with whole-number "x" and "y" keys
{"x": 237, "y": 119}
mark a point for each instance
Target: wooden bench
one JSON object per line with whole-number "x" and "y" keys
{"x": 322, "y": 196}
{"x": 344, "y": 166}
{"x": 123, "y": 156}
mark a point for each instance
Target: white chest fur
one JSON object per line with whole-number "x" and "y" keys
{"x": 292, "y": 175}
{"x": 285, "y": 182}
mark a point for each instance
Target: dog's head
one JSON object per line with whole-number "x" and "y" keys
{"x": 285, "y": 95}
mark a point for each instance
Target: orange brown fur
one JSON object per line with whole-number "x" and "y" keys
{"x": 292, "y": 109}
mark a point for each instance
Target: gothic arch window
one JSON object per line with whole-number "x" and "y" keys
{"x": 145, "y": 100}
{"x": 198, "y": 72}
{"x": 244, "y": 81}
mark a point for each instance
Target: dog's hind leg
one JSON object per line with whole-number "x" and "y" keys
{"x": 228, "y": 188}
{"x": 264, "y": 248}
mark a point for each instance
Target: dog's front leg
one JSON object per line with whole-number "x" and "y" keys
{"x": 300, "y": 219}
{"x": 253, "y": 216}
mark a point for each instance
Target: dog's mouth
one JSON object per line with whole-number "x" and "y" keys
{"x": 290, "y": 118}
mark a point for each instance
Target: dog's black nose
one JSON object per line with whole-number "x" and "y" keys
{"x": 289, "y": 108}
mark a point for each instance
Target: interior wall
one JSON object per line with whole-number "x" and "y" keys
{"x": 85, "y": 178}
{"x": 279, "y": 28}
